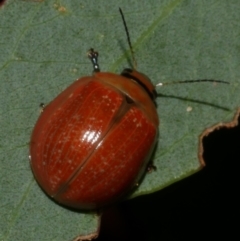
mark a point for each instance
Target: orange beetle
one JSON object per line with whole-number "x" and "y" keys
{"x": 92, "y": 143}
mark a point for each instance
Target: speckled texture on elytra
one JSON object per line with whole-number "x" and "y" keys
{"x": 91, "y": 144}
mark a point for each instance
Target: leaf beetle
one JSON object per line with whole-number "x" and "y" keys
{"x": 91, "y": 145}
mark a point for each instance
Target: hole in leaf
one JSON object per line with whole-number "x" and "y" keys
{"x": 222, "y": 155}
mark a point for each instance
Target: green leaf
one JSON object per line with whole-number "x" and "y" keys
{"x": 43, "y": 49}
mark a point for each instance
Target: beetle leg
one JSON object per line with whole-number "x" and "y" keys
{"x": 151, "y": 167}
{"x": 42, "y": 106}
{"x": 93, "y": 56}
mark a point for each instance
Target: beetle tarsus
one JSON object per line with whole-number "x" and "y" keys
{"x": 93, "y": 56}
{"x": 151, "y": 167}
{"x": 42, "y": 106}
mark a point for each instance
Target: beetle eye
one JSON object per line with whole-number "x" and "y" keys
{"x": 129, "y": 100}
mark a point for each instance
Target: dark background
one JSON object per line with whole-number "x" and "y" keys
{"x": 205, "y": 205}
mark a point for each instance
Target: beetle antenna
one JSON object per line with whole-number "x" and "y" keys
{"x": 128, "y": 39}
{"x": 93, "y": 56}
{"x": 192, "y": 81}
